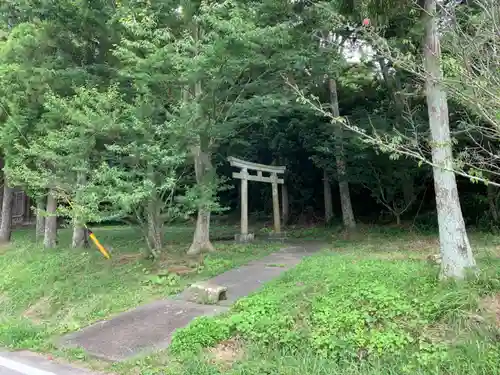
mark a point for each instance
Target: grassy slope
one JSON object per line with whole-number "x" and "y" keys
{"x": 45, "y": 293}
{"x": 372, "y": 294}
{"x": 373, "y": 307}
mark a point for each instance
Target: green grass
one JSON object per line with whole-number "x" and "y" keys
{"x": 46, "y": 293}
{"x": 372, "y": 306}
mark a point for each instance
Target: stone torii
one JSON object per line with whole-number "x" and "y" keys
{"x": 244, "y": 175}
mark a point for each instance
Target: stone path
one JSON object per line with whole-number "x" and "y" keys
{"x": 150, "y": 327}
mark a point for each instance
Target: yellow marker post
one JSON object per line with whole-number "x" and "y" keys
{"x": 98, "y": 244}
{"x": 92, "y": 236}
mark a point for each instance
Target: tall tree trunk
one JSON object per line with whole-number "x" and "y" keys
{"x": 203, "y": 171}
{"x": 201, "y": 239}
{"x": 8, "y": 200}
{"x": 327, "y": 194}
{"x": 40, "y": 218}
{"x": 80, "y": 238}
{"x": 50, "y": 235}
{"x": 456, "y": 252}
{"x": 345, "y": 196}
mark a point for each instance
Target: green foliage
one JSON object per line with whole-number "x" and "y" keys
{"x": 204, "y": 333}
{"x": 113, "y": 92}
{"x": 345, "y": 308}
{"x": 105, "y": 103}
{"x": 48, "y": 293}
{"x": 21, "y": 333}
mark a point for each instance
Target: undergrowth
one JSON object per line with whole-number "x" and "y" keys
{"x": 46, "y": 293}
{"x": 357, "y": 316}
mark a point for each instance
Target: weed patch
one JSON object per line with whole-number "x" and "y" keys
{"x": 344, "y": 309}
{"x": 46, "y": 293}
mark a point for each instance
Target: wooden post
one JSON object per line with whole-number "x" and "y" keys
{"x": 244, "y": 203}
{"x": 276, "y": 203}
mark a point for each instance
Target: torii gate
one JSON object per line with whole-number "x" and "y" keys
{"x": 245, "y": 176}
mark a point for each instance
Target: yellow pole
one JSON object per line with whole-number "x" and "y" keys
{"x": 97, "y": 243}
{"x": 92, "y": 236}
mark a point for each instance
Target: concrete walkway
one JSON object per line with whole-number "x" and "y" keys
{"x": 150, "y": 327}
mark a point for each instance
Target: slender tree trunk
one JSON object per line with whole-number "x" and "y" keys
{"x": 285, "y": 207}
{"x": 50, "y": 236}
{"x": 201, "y": 239}
{"x": 285, "y": 204}
{"x": 345, "y": 202}
{"x": 6, "y": 225}
{"x": 203, "y": 171}
{"x": 345, "y": 196}
{"x": 456, "y": 252}
{"x": 40, "y": 218}
{"x": 155, "y": 226}
{"x": 327, "y": 194}
{"x": 79, "y": 239}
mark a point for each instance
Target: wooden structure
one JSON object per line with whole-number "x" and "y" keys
{"x": 245, "y": 175}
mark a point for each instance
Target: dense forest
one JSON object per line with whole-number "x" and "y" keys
{"x": 381, "y": 111}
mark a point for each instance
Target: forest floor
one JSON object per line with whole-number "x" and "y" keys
{"x": 370, "y": 304}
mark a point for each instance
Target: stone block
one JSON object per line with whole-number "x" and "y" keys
{"x": 244, "y": 238}
{"x": 207, "y": 293}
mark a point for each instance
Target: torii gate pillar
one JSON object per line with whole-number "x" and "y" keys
{"x": 244, "y": 175}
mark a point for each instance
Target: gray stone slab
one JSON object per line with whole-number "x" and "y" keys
{"x": 146, "y": 328}
{"x": 28, "y": 363}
